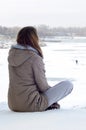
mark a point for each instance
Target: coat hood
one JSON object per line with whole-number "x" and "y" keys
{"x": 19, "y": 54}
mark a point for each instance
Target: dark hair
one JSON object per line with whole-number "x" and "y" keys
{"x": 28, "y": 36}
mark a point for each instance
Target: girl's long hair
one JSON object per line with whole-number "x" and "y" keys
{"x": 28, "y": 36}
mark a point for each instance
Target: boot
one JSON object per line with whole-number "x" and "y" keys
{"x": 54, "y": 106}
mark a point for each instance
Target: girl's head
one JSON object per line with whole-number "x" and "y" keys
{"x": 28, "y": 36}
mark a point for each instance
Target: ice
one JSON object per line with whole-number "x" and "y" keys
{"x": 59, "y": 59}
{"x": 60, "y": 64}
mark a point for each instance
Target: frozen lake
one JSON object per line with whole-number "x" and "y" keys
{"x": 60, "y": 64}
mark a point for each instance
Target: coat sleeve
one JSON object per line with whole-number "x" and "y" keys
{"x": 39, "y": 74}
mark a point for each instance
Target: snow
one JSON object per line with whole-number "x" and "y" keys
{"x": 48, "y": 120}
{"x": 60, "y": 65}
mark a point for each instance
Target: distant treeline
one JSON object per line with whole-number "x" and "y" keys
{"x": 9, "y": 32}
{"x": 46, "y": 31}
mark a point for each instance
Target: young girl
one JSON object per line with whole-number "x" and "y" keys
{"x": 28, "y": 87}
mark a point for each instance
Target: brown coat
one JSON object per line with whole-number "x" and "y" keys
{"x": 27, "y": 81}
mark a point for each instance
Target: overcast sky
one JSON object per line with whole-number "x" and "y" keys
{"x": 50, "y": 12}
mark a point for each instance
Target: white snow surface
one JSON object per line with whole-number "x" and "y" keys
{"x": 59, "y": 59}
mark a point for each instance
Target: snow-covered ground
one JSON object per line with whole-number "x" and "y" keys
{"x": 60, "y": 63}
